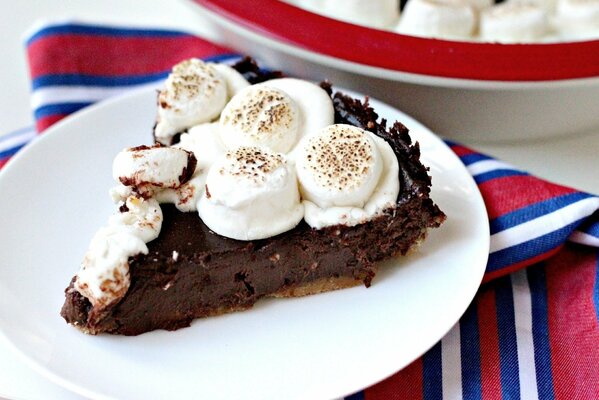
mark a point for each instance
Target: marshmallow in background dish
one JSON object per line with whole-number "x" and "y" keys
{"x": 382, "y": 14}
{"x": 251, "y": 193}
{"x": 275, "y": 114}
{"x": 513, "y": 23}
{"x": 479, "y": 5}
{"x": 195, "y": 92}
{"x": 548, "y": 5}
{"x": 578, "y": 19}
{"x": 316, "y": 6}
{"x": 444, "y": 19}
{"x": 347, "y": 176}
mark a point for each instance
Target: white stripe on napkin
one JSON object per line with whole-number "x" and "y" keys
{"x": 523, "y": 318}
{"x": 16, "y": 139}
{"x": 483, "y": 166}
{"x": 82, "y": 94}
{"x": 451, "y": 364}
{"x": 543, "y": 225}
{"x": 584, "y": 238}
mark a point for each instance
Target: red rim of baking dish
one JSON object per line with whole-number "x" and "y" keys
{"x": 442, "y": 58}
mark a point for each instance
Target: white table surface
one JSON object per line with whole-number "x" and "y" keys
{"x": 568, "y": 160}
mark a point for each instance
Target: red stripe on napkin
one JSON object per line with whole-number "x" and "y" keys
{"x": 489, "y": 276}
{"x": 462, "y": 150}
{"x": 573, "y": 325}
{"x": 489, "y": 344}
{"x": 148, "y": 53}
{"x": 46, "y": 122}
{"x": 503, "y": 195}
{"x": 405, "y": 385}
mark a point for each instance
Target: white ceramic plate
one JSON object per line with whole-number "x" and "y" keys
{"x": 53, "y": 197}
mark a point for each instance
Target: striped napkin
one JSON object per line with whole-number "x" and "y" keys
{"x": 532, "y": 332}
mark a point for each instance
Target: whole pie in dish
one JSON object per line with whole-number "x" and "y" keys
{"x": 258, "y": 186}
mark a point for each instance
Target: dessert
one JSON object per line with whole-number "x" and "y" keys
{"x": 493, "y": 21}
{"x": 221, "y": 213}
{"x": 379, "y": 14}
{"x": 513, "y": 22}
{"x": 452, "y": 19}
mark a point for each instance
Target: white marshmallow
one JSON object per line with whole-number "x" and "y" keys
{"x": 204, "y": 142}
{"x": 186, "y": 196}
{"x": 578, "y": 19}
{"x": 547, "y": 5}
{"x": 339, "y": 166}
{"x": 251, "y": 193}
{"x": 234, "y": 80}
{"x": 149, "y": 168}
{"x": 305, "y": 108}
{"x": 446, "y": 19}
{"x": 479, "y": 5}
{"x": 513, "y": 23}
{"x": 104, "y": 274}
{"x": 310, "y": 5}
{"x": 380, "y": 14}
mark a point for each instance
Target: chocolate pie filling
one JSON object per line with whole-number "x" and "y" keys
{"x": 191, "y": 272}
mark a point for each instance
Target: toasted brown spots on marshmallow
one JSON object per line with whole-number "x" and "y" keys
{"x": 260, "y": 116}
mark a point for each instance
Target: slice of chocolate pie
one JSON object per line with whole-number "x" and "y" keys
{"x": 259, "y": 186}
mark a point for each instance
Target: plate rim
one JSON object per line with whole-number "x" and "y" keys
{"x": 141, "y": 93}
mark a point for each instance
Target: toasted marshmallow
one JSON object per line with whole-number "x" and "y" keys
{"x": 186, "y": 196}
{"x": 251, "y": 193}
{"x": 340, "y": 166}
{"x": 275, "y": 114}
{"x": 260, "y": 116}
{"x": 380, "y": 14}
{"x": 384, "y": 197}
{"x": 195, "y": 92}
{"x": 447, "y": 19}
{"x": 142, "y": 218}
{"x": 148, "y": 168}
{"x": 578, "y": 19}
{"x": 104, "y": 274}
{"x": 315, "y": 105}
{"x": 513, "y": 23}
